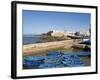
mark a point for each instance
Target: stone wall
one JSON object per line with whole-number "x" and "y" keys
{"x": 46, "y": 45}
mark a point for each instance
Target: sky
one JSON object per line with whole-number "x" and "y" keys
{"x": 38, "y": 22}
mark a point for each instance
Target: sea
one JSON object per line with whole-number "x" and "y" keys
{"x": 31, "y": 39}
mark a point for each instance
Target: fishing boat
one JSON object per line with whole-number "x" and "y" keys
{"x": 86, "y": 41}
{"x": 53, "y": 60}
{"x": 33, "y": 61}
{"x": 75, "y": 37}
{"x": 72, "y": 61}
{"x": 56, "y": 53}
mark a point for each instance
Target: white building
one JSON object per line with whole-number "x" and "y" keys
{"x": 57, "y": 33}
{"x": 61, "y": 33}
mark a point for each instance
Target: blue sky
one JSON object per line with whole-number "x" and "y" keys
{"x": 37, "y": 22}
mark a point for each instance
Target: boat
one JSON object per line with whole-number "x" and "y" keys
{"x": 47, "y": 65}
{"x": 84, "y": 54}
{"x": 73, "y": 61}
{"x": 54, "y": 59}
{"x": 33, "y": 61}
{"x": 86, "y": 41}
{"x": 56, "y": 53}
{"x": 75, "y": 37}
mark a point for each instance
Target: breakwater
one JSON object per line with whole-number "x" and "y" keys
{"x": 31, "y": 48}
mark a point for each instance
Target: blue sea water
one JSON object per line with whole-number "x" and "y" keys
{"x": 30, "y": 39}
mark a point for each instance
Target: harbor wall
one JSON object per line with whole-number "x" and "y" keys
{"x": 47, "y": 45}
